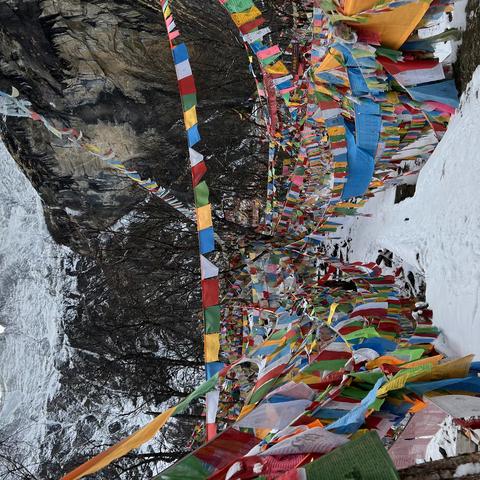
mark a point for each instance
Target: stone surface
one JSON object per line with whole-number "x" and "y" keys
{"x": 104, "y": 67}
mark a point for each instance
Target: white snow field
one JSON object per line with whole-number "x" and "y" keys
{"x": 32, "y": 304}
{"x": 437, "y": 232}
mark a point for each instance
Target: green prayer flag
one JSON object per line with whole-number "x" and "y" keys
{"x": 189, "y": 101}
{"x": 270, "y": 60}
{"x": 189, "y": 467}
{"x": 201, "y": 195}
{"x": 264, "y": 389}
{"x": 408, "y": 354}
{"x": 367, "y": 376}
{"x": 326, "y": 365}
{"x": 200, "y": 391}
{"x": 236, "y": 6}
{"x": 362, "y": 459}
{"x": 394, "y": 55}
{"x": 368, "y": 332}
{"x": 211, "y": 316}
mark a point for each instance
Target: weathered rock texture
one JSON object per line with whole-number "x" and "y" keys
{"x": 104, "y": 67}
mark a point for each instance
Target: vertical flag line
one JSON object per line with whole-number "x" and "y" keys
{"x": 203, "y": 208}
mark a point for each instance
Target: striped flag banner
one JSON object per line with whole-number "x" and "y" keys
{"x": 209, "y": 272}
{"x": 374, "y": 309}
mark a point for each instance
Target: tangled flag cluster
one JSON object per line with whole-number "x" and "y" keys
{"x": 352, "y": 108}
{"x": 313, "y": 364}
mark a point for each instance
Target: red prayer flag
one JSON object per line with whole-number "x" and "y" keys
{"x": 248, "y": 27}
{"x": 186, "y": 86}
{"x": 210, "y": 292}
{"x": 198, "y": 171}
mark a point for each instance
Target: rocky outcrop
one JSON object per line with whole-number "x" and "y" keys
{"x": 104, "y": 67}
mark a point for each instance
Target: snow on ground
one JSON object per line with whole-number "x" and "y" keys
{"x": 437, "y": 232}
{"x": 32, "y": 305}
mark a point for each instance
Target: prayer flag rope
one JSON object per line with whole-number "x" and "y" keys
{"x": 12, "y": 106}
{"x": 209, "y": 271}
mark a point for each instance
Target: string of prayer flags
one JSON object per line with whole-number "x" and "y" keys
{"x": 210, "y": 282}
{"x": 12, "y": 106}
{"x": 248, "y": 18}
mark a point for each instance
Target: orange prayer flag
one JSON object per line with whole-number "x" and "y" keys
{"x": 247, "y": 16}
{"x": 394, "y": 26}
{"x": 122, "y": 448}
{"x": 387, "y": 359}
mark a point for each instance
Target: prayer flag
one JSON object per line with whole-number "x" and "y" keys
{"x": 201, "y": 195}
{"x": 180, "y": 53}
{"x": 204, "y": 217}
{"x": 190, "y": 118}
{"x": 209, "y": 270}
{"x": 206, "y": 239}
{"x": 212, "y": 347}
{"x": 193, "y": 136}
{"x": 210, "y": 292}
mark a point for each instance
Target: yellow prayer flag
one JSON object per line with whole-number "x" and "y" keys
{"x": 278, "y": 68}
{"x": 401, "y": 378}
{"x": 433, "y": 360}
{"x": 246, "y": 410}
{"x": 457, "y": 368}
{"x": 396, "y": 25}
{"x": 306, "y": 378}
{"x": 242, "y": 18}
{"x": 393, "y": 98}
{"x": 92, "y": 148}
{"x": 328, "y": 63}
{"x": 190, "y": 117}
{"x": 321, "y": 89}
{"x": 204, "y": 217}
{"x": 333, "y": 307}
{"x": 333, "y": 131}
{"x": 122, "y": 448}
{"x": 212, "y": 347}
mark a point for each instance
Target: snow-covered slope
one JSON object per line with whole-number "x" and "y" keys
{"x": 32, "y": 303}
{"x": 437, "y": 231}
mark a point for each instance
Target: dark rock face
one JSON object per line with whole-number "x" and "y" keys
{"x": 468, "y": 55}
{"x": 105, "y": 68}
